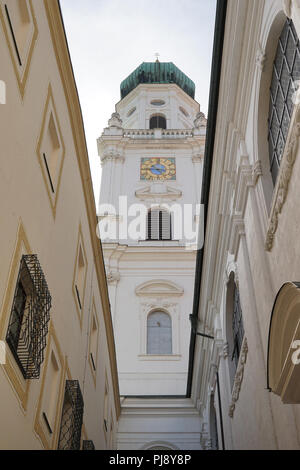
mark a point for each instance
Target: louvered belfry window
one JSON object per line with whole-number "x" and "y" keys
{"x": 159, "y": 333}
{"x": 286, "y": 73}
{"x": 29, "y": 318}
{"x": 72, "y": 416}
{"x": 158, "y": 122}
{"x": 159, "y": 225}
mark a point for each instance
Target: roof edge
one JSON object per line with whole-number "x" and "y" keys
{"x": 216, "y": 67}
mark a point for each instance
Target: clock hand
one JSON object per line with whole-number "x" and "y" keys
{"x": 155, "y": 167}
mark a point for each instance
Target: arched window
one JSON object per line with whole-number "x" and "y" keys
{"x": 159, "y": 333}
{"x": 234, "y": 326}
{"x": 158, "y": 224}
{"x": 237, "y": 326}
{"x": 158, "y": 122}
{"x": 286, "y": 72}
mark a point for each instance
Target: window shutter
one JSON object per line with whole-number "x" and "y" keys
{"x": 153, "y": 224}
{"x": 165, "y": 225}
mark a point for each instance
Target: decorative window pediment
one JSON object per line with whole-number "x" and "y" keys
{"x": 157, "y": 192}
{"x": 283, "y": 347}
{"x": 157, "y": 288}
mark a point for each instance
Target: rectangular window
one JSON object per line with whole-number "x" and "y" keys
{"x": 159, "y": 225}
{"x": 72, "y": 416}
{"x": 30, "y": 314}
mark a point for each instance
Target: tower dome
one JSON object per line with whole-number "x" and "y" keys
{"x": 157, "y": 72}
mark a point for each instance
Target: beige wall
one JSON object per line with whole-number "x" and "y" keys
{"x": 30, "y": 222}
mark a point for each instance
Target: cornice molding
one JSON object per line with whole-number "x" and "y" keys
{"x": 159, "y": 288}
{"x": 247, "y": 177}
{"x": 148, "y": 192}
{"x": 112, "y": 156}
{"x": 256, "y": 172}
{"x": 237, "y": 230}
{"x": 126, "y": 141}
{"x": 244, "y": 180}
{"x": 198, "y": 158}
{"x": 283, "y": 179}
{"x": 113, "y": 277}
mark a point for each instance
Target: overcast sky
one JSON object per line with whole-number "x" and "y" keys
{"x": 108, "y": 39}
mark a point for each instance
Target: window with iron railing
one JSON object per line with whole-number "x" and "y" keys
{"x": 88, "y": 445}
{"x": 29, "y": 318}
{"x": 72, "y": 416}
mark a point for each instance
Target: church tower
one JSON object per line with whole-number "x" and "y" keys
{"x": 151, "y": 156}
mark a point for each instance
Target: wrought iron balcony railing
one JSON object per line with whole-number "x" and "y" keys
{"x": 29, "y": 318}
{"x": 72, "y": 416}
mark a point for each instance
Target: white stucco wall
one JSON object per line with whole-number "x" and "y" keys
{"x": 130, "y": 263}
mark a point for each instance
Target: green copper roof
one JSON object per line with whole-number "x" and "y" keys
{"x": 157, "y": 72}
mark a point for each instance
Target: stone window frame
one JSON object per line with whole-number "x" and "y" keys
{"x": 172, "y": 309}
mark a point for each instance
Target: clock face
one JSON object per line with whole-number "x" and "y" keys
{"x": 158, "y": 169}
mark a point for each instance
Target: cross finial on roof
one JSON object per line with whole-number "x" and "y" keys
{"x": 157, "y": 56}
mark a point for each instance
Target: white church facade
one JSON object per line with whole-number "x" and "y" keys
{"x": 152, "y": 155}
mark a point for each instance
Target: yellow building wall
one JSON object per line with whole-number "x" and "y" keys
{"x": 33, "y": 220}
